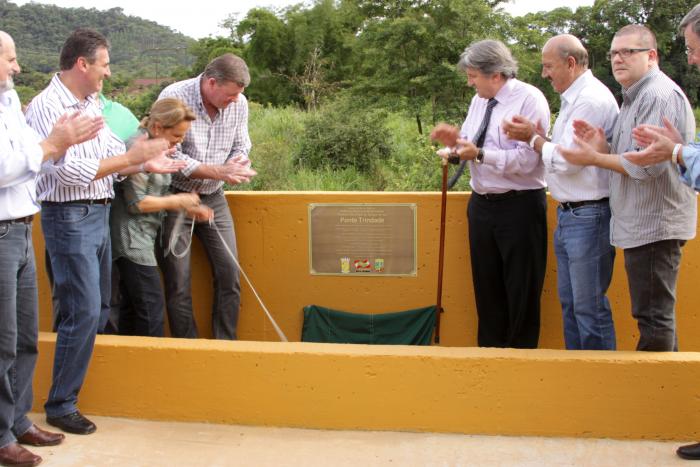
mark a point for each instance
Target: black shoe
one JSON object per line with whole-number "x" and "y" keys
{"x": 73, "y": 423}
{"x": 690, "y": 452}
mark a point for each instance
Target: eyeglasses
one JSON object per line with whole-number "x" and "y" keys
{"x": 624, "y": 53}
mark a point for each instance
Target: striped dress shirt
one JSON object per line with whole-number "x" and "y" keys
{"x": 650, "y": 204}
{"x": 208, "y": 142}
{"x": 71, "y": 178}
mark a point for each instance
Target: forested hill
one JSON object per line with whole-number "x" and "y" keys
{"x": 40, "y": 30}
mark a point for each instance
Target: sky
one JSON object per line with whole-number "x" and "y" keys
{"x": 203, "y": 22}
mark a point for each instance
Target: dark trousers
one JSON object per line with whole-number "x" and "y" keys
{"x": 141, "y": 308}
{"x": 652, "y": 272}
{"x": 177, "y": 273}
{"x": 19, "y": 329}
{"x": 508, "y": 247}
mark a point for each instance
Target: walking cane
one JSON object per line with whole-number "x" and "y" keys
{"x": 441, "y": 259}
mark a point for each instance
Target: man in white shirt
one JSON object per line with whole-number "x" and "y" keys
{"x": 582, "y": 238}
{"x": 75, "y": 195}
{"x": 21, "y": 155}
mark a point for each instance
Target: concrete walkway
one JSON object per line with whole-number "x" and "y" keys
{"x": 127, "y": 442}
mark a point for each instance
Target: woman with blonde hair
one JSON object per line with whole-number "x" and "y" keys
{"x": 139, "y": 203}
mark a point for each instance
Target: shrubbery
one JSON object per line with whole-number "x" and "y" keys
{"x": 341, "y": 137}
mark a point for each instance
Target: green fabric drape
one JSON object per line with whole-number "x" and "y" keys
{"x": 411, "y": 327}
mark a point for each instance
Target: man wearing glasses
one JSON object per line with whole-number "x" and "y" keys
{"x": 653, "y": 212}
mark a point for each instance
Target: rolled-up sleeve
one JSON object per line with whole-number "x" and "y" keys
{"x": 690, "y": 174}
{"x": 652, "y": 111}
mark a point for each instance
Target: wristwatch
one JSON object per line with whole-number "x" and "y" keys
{"x": 479, "y": 156}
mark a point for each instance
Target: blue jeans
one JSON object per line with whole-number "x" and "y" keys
{"x": 18, "y": 329}
{"x": 585, "y": 261}
{"x": 78, "y": 244}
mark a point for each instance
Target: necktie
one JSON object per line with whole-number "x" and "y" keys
{"x": 478, "y": 141}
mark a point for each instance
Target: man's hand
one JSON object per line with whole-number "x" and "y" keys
{"x": 241, "y": 160}
{"x": 200, "y": 213}
{"x": 234, "y": 172}
{"x": 145, "y": 149}
{"x": 520, "y": 128}
{"x": 446, "y": 134}
{"x": 595, "y": 137}
{"x": 68, "y": 131}
{"x": 466, "y": 150}
{"x": 658, "y": 149}
{"x": 646, "y": 134}
{"x": 584, "y": 154}
{"x": 162, "y": 164}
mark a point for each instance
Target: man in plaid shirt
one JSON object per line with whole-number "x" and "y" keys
{"x": 216, "y": 151}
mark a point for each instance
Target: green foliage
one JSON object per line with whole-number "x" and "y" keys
{"x": 340, "y": 137}
{"x": 278, "y": 134}
{"x": 137, "y": 44}
{"x": 372, "y": 76}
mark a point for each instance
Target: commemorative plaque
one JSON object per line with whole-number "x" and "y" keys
{"x": 362, "y": 239}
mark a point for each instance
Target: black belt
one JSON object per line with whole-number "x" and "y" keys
{"x": 19, "y": 220}
{"x": 506, "y": 195}
{"x": 103, "y": 201}
{"x": 201, "y": 195}
{"x": 567, "y": 205}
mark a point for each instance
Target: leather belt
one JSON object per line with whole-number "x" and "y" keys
{"x": 19, "y": 220}
{"x": 567, "y": 205}
{"x": 103, "y": 201}
{"x": 506, "y": 194}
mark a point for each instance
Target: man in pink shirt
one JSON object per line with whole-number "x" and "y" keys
{"x": 507, "y": 209}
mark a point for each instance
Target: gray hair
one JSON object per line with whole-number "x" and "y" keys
{"x": 228, "y": 68}
{"x": 489, "y": 57}
{"x": 692, "y": 18}
{"x": 579, "y": 54}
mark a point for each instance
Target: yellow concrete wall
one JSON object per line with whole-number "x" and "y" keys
{"x": 272, "y": 229}
{"x": 634, "y": 395}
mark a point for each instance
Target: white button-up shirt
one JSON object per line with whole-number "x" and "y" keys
{"x": 590, "y": 100}
{"x": 72, "y": 177}
{"x": 20, "y": 160}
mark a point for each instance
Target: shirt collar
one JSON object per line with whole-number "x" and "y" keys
{"x": 506, "y": 90}
{"x": 67, "y": 98}
{"x": 631, "y": 92}
{"x": 5, "y": 101}
{"x": 199, "y": 99}
{"x": 576, "y": 87}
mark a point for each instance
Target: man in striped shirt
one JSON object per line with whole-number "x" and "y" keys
{"x": 663, "y": 144}
{"x": 216, "y": 151}
{"x": 75, "y": 192}
{"x": 653, "y": 212}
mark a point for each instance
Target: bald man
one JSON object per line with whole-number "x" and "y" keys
{"x": 653, "y": 212}
{"x": 21, "y": 154}
{"x": 582, "y": 238}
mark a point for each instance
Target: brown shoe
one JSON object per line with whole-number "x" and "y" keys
{"x": 15, "y": 455}
{"x": 35, "y": 436}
